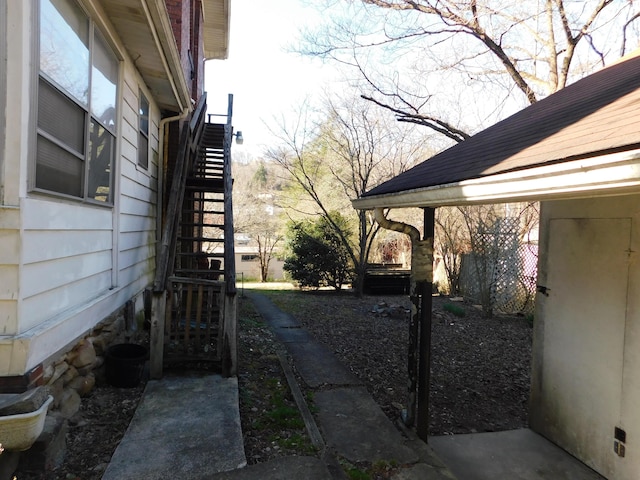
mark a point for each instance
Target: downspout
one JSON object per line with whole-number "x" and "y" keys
{"x": 162, "y": 166}
{"x": 158, "y": 300}
{"x": 419, "y": 348}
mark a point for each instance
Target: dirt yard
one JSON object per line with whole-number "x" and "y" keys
{"x": 480, "y": 376}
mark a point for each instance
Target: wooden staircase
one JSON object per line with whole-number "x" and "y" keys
{"x": 194, "y": 308}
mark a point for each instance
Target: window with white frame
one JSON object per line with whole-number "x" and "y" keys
{"x": 77, "y": 98}
{"x": 143, "y": 132}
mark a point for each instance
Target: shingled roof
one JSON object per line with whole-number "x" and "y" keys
{"x": 595, "y": 116}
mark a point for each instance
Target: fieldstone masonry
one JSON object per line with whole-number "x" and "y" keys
{"x": 68, "y": 378}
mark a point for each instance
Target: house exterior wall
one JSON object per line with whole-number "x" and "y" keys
{"x": 187, "y": 26}
{"x": 3, "y": 88}
{"x": 248, "y": 265}
{"x": 65, "y": 264}
{"x": 586, "y": 348}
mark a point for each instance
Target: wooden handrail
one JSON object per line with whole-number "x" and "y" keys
{"x": 187, "y": 152}
{"x": 229, "y": 251}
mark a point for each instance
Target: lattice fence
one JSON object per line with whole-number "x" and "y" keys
{"x": 500, "y": 273}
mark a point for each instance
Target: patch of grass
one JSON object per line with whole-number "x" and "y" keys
{"x": 296, "y": 442}
{"x": 248, "y": 316}
{"x": 383, "y": 467}
{"x": 457, "y": 310}
{"x": 281, "y": 415}
{"x": 355, "y": 473}
{"x": 285, "y": 416}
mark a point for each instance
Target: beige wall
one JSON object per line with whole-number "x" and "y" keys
{"x": 587, "y": 331}
{"x": 251, "y": 269}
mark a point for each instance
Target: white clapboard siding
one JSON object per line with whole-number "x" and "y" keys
{"x": 53, "y": 287}
{"x": 41, "y": 245}
{"x": 8, "y": 313}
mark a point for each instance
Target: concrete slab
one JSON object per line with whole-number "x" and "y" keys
{"x": 292, "y": 335}
{"x": 356, "y": 427}
{"x": 515, "y": 454}
{"x": 275, "y": 317}
{"x": 184, "y": 427}
{"x": 317, "y": 365}
{"x": 285, "y": 468}
{"x": 422, "y": 471}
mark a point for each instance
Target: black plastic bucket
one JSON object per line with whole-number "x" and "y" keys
{"x": 124, "y": 364}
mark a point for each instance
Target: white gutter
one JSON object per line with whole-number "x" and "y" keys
{"x": 607, "y": 175}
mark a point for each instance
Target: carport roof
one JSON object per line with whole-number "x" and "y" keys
{"x": 583, "y": 140}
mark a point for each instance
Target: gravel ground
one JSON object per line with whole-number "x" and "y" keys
{"x": 480, "y": 376}
{"x": 480, "y": 367}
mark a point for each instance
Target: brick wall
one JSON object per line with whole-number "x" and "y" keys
{"x": 186, "y": 21}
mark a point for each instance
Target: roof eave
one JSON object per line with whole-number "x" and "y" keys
{"x": 167, "y": 44}
{"x": 216, "y": 17}
{"x": 145, "y": 29}
{"x": 613, "y": 174}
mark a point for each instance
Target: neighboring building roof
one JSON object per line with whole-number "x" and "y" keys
{"x": 596, "y": 116}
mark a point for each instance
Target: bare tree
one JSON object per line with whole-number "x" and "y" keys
{"x": 348, "y": 151}
{"x": 478, "y": 52}
{"x": 256, "y": 213}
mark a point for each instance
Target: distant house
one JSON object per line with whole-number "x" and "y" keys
{"x": 92, "y": 96}
{"x": 248, "y": 264}
{"x": 578, "y": 152}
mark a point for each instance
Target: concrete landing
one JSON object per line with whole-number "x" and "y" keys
{"x": 184, "y": 427}
{"x": 515, "y": 454}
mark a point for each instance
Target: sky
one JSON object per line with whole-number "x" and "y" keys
{"x": 266, "y": 81}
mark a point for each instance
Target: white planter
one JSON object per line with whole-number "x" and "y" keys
{"x": 20, "y": 431}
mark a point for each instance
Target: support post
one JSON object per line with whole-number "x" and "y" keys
{"x": 419, "y": 355}
{"x": 156, "y": 340}
{"x": 424, "y": 287}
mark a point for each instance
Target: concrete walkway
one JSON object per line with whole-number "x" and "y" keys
{"x": 189, "y": 427}
{"x": 184, "y": 427}
{"x": 351, "y": 422}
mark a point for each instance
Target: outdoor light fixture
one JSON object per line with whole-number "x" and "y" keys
{"x": 239, "y": 139}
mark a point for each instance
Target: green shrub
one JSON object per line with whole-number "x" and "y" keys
{"x": 317, "y": 257}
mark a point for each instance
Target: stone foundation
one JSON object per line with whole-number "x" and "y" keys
{"x": 69, "y": 378}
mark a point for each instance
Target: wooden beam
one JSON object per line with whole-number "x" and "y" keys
{"x": 156, "y": 340}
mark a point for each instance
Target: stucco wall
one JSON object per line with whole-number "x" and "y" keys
{"x": 586, "y": 345}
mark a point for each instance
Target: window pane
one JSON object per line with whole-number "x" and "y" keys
{"x": 64, "y": 51}
{"x": 60, "y": 117}
{"x": 143, "y": 151}
{"x": 143, "y": 132}
{"x": 58, "y": 170}
{"x": 144, "y": 114}
{"x": 100, "y": 162}
{"x": 104, "y": 80}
